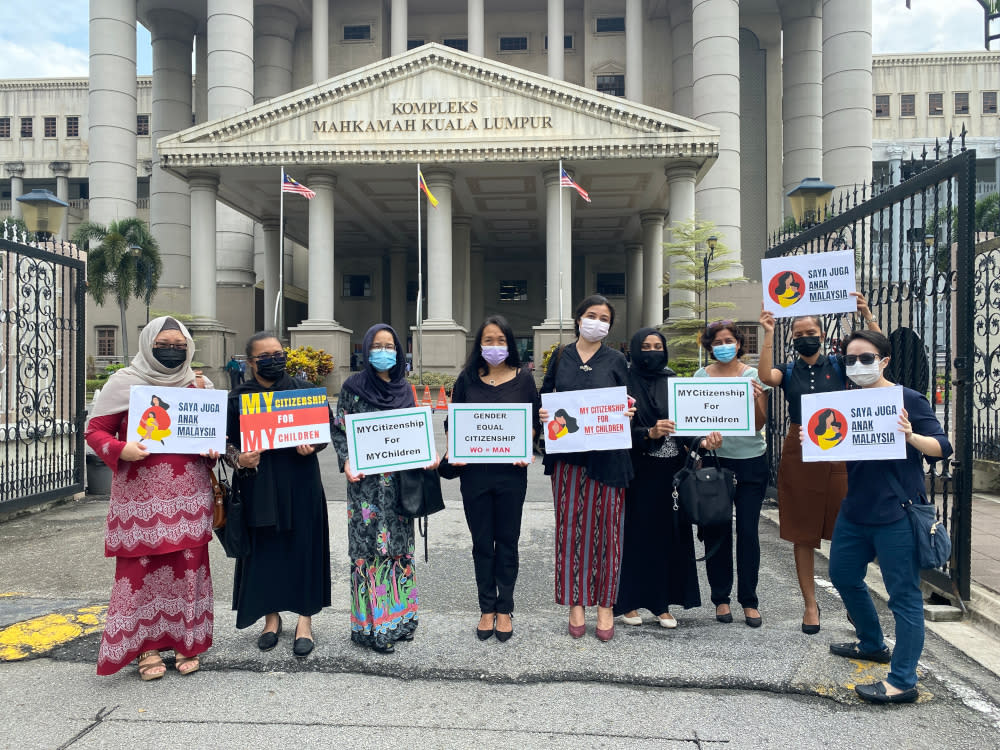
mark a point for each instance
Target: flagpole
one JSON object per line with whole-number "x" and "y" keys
{"x": 281, "y": 264}
{"x": 559, "y": 259}
{"x": 420, "y": 286}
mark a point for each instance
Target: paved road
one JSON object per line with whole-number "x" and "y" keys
{"x": 702, "y": 685}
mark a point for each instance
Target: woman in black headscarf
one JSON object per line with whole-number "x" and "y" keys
{"x": 658, "y": 566}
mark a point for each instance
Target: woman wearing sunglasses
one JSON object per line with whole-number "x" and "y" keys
{"x": 808, "y": 496}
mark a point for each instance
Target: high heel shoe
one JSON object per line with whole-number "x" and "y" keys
{"x": 485, "y": 635}
{"x": 812, "y": 629}
{"x": 605, "y": 635}
{"x": 578, "y": 631}
{"x": 726, "y": 618}
{"x": 505, "y": 635}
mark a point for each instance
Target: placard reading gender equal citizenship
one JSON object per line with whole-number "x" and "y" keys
{"x": 177, "y": 420}
{"x": 861, "y": 425}
{"x": 813, "y": 284}
{"x": 489, "y": 433}
{"x": 284, "y": 419}
{"x": 381, "y": 442}
{"x": 589, "y": 420}
{"x": 702, "y": 405}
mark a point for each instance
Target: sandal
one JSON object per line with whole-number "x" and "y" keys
{"x": 187, "y": 664}
{"x": 151, "y": 668}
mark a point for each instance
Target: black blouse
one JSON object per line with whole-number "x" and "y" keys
{"x": 605, "y": 369}
{"x": 821, "y": 377}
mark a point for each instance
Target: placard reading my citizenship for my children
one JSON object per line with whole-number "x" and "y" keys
{"x": 861, "y": 425}
{"x": 177, "y": 420}
{"x": 813, "y": 284}
{"x": 702, "y": 405}
{"x": 284, "y": 419}
{"x": 489, "y": 433}
{"x": 381, "y": 442}
{"x": 590, "y": 420}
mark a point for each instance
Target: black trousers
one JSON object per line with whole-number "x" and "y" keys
{"x": 751, "y": 484}
{"x": 493, "y": 496}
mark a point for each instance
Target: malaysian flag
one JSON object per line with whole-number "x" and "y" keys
{"x": 291, "y": 186}
{"x": 422, "y": 184}
{"x": 566, "y": 181}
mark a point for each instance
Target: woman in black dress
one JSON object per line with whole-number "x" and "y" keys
{"x": 493, "y": 494}
{"x": 288, "y": 567}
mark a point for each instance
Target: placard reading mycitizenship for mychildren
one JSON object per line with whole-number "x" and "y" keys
{"x": 177, "y": 420}
{"x": 381, "y": 442}
{"x": 813, "y": 284}
{"x": 284, "y": 419}
{"x": 861, "y": 425}
{"x": 702, "y": 405}
{"x": 489, "y": 433}
{"x": 590, "y": 420}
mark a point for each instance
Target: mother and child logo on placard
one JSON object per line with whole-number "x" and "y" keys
{"x": 562, "y": 424}
{"x": 827, "y": 428}
{"x": 154, "y": 424}
{"x": 786, "y": 288}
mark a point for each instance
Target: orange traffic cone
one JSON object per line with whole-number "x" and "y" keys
{"x": 442, "y": 402}
{"x": 416, "y": 401}
{"x": 427, "y": 396}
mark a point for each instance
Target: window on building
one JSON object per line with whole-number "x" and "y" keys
{"x": 357, "y": 285}
{"x": 611, "y": 25}
{"x": 4, "y": 127}
{"x": 49, "y": 127}
{"x": 358, "y": 32}
{"x": 881, "y": 105}
{"x": 414, "y": 43}
{"x": 611, "y": 284}
{"x": 27, "y": 129}
{"x": 514, "y": 290}
{"x": 908, "y": 105}
{"x": 961, "y": 102}
{"x": 612, "y": 84}
{"x": 567, "y": 41}
{"x": 105, "y": 341}
{"x": 459, "y": 43}
{"x": 513, "y": 44}
{"x": 750, "y": 340}
{"x": 935, "y": 105}
{"x": 989, "y": 102}
{"x": 73, "y": 126}
{"x": 142, "y": 125}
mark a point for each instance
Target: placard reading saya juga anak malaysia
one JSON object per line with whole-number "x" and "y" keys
{"x": 589, "y": 420}
{"x": 177, "y": 420}
{"x": 284, "y": 419}
{"x": 489, "y": 433}
{"x": 813, "y": 284}
{"x": 392, "y": 440}
{"x": 861, "y": 425}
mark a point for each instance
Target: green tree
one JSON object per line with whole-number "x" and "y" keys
{"x": 123, "y": 261}
{"x": 686, "y": 255}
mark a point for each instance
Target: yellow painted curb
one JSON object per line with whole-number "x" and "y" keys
{"x": 41, "y": 634}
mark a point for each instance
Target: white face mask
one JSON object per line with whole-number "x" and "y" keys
{"x": 593, "y": 330}
{"x": 864, "y": 375}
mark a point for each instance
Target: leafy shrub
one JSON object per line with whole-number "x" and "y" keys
{"x": 433, "y": 379}
{"x": 112, "y": 368}
{"x": 312, "y": 364}
{"x": 685, "y": 367}
{"x": 547, "y": 357}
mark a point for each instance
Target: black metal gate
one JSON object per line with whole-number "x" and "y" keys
{"x": 42, "y": 409}
{"x": 914, "y": 253}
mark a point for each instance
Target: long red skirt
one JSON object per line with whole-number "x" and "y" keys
{"x": 158, "y": 602}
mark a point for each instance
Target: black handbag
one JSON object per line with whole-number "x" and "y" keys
{"x": 419, "y": 496}
{"x": 704, "y": 493}
{"x": 233, "y": 535}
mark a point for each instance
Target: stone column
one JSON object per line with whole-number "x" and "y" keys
{"x": 633, "y": 285}
{"x": 557, "y": 33}
{"x": 477, "y": 295}
{"x": 715, "y": 26}
{"x": 680, "y": 179}
{"x": 461, "y": 234}
{"x": 201, "y": 77}
{"x": 230, "y": 57}
{"x": 847, "y": 92}
{"x": 204, "y": 189}
{"x": 398, "y": 32}
{"x": 802, "y": 92}
{"x": 477, "y": 28}
{"x": 321, "y": 40}
{"x": 274, "y": 35}
{"x": 681, "y": 70}
{"x": 996, "y": 165}
{"x": 61, "y": 170}
{"x": 112, "y": 111}
{"x": 896, "y": 153}
{"x": 172, "y": 34}
{"x": 398, "y": 256}
{"x": 652, "y": 267}
{"x": 15, "y": 169}
{"x": 272, "y": 269}
{"x": 558, "y": 237}
{"x": 633, "y": 50}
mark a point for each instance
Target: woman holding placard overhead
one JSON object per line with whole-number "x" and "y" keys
{"x": 874, "y": 524}
{"x": 288, "y": 567}
{"x": 808, "y": 496}
{"x": 493, "y": 493}
{"x": 589, "y": 487}
{"x": 159, "y": 520}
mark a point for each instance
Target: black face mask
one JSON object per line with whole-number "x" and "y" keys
{"x": 806, "y": 345}
{"x": 271, "y": 368}
{"x": 170, "y": 358}
{"x": 650, "y": 361}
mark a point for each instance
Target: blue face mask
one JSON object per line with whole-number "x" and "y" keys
{"x": 724, "y": 352}
{"x": 382, "y": 359}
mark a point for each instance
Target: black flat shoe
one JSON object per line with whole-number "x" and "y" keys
{"x": 812, "y": 629}
{"x": 388, "y": 648}
{"x": 267, "y": 641}
{"x": 875, "y": 693}
{"x": 504, "y": 636}
{"x": 754, "y": 622}
{"x": 726, "y": 618}
{"x": 853, "y": 651}
{"x": 303, "y": 646}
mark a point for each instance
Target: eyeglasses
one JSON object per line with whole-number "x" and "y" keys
{"x": 175, "y": 347}
{"x": 383, "y": 347}
{"x": 719, "y": 324}
{"x": 866, "y": 359}
{"x": 272, "y": 357}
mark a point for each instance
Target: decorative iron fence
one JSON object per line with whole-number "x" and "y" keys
{"x": 913, "y": 245}
{"x": 42, "y": 407}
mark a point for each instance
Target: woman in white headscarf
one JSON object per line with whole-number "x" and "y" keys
{"x": 159, "y": 518}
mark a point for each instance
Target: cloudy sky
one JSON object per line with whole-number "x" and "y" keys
{"x": 49, "y": 38}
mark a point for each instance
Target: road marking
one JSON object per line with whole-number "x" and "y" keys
{"x": 41, "y": 634}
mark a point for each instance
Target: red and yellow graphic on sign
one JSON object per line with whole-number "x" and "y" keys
{"x": 154, "y": 424}
{"x": 827, "y": 428}
{"x": 786, "y": 288}
{"x": 284, "y": 419}
{"x": 561, "y": 425}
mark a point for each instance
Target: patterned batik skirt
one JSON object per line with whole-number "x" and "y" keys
{"x": 158, "y": 602}
{"x": 383, "y": 600}
{"x": 589, "y": 527}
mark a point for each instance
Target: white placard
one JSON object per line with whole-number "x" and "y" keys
{"x": 702, "y": 405}
{"x": 588, "y": 420}
{"x": 813, "y": 284}
{"x": 380, "y": 442}
{"x": 489, "y": 433}
{"x": 177, "y": 420}
{"x": 860, "y": 425}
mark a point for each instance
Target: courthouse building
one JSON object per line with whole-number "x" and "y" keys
{"x": 660, "y": 109}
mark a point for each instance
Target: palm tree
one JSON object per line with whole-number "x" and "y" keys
{"x": 123, "y": 259}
